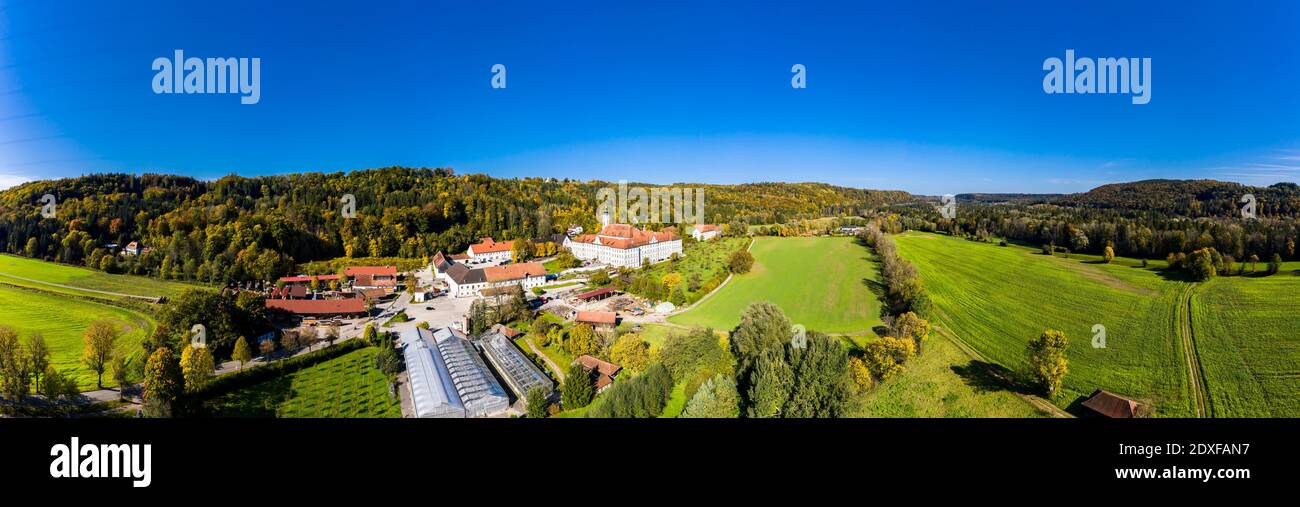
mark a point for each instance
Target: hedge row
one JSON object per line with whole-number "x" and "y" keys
{"x": 245, "y": 378}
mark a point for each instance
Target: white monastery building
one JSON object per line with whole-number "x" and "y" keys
{"x": 625, "y": 245}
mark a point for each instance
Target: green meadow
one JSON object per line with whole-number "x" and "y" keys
{"x": 1246, "y": 331}
{"x": 995, "y": 299}
{"x": 74, "y": 276}
{"x": 62, "y": 320}
{"x": 822, "y": 283}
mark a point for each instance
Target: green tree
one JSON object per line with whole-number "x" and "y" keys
{"x": 99, "y": 342}
{"x": 716, "y": 399}
{"x": 370, "y": 335}
{"x": 1275, "y": 264}
{"x": 121, "y": 374}
{"x": 244, "y": 354}
{"x": 536, "y": 404}
{"x": 38, "y": 353}
{"x": 1047, "y": 361}
{"x": 821, "y": 371}
{"x": 578, "y": 388}
{"x": 740, "y": 261}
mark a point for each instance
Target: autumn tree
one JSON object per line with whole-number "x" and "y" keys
{"x": 163, "y": 382}
{"x": 910, "y": 326}
{"x": 630, "y": 352}
{"x": 740, "y": 261}
{"x": 99, "y": 339}
{"x": 860, "y": 374}
{"x": 582, "y": 341}
{"x": 1108, "y": 254}
{"x": 196, "y": 367}
{"x": 15, "y": 368}
{"x": 1048, "y": 364}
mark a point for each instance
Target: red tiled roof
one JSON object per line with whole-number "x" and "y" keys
{"x": 459, "y": 257}
{"x": 490, "y": 246}
{"x": 624, "y": 236}
{"x": 597, "y": 317}
{"x": 514, "y": 271}
{"x": 317, "y": 306}
{"x": 603, "y": 368}
{"x": 595, "y": 293}
{"x": 307, "y": 278}
{"x": 509, "y": 332}
{"x": 1111, "y": 405}
{"x": 372, "y": 270}
{"x": 364, "y": 280}
{"x": 707, "y": 228}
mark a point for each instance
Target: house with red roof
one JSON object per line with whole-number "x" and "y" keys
{"x": 489, "y": 250}
{"x": 705, "y": 232}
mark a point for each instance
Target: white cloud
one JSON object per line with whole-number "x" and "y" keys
{"x": 12, "y": 180}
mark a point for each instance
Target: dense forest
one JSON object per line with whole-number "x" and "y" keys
{"x": 1144, "y": 219}
{"x": 258, "y": 228}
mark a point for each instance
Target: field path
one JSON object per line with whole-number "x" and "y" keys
{"x": 83, "y": 289}
{"x": 559, "y": 374}
{"x": 1195, "y": 373}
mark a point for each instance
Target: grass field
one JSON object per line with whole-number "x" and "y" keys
{"x": 1246, "y": 336}
{"x": 943, "y": 382}
{"x": 81, "y": 277}
{"x": 707, "y": 259}
{"x": 62, "y": 321}
{"x": 822, "y": 283}
{"x": 996, "y": 299}
{"x": 348, "y": 386}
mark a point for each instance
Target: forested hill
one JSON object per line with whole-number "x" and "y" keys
{"x": 1190, "y": 198}
{"x": 238, "y": 228}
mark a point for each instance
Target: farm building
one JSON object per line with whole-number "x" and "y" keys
{"x": 447, "y": 378}
{"x": 518, "y": 371}
{"x": 603, "y": 371}
{"x": 464, "y": 281}
{"x": 596, "y": 295}
{"x": 346, "y": 307}
{"x": 601, "y": 321}
{"x": 1111, "y": 405}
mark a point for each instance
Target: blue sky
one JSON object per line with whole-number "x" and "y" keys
{"x": 929, "y": 97}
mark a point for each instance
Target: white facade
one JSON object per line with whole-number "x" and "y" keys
{"x": 614, "y": 252}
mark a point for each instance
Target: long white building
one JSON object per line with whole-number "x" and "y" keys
{"x": 625, "y": 245}
{"x": 464, "y": 281}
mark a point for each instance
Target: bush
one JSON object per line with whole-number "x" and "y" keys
{"x": 740, "y": 261}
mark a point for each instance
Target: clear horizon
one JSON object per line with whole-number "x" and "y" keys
{"x": 932, "y": 98}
